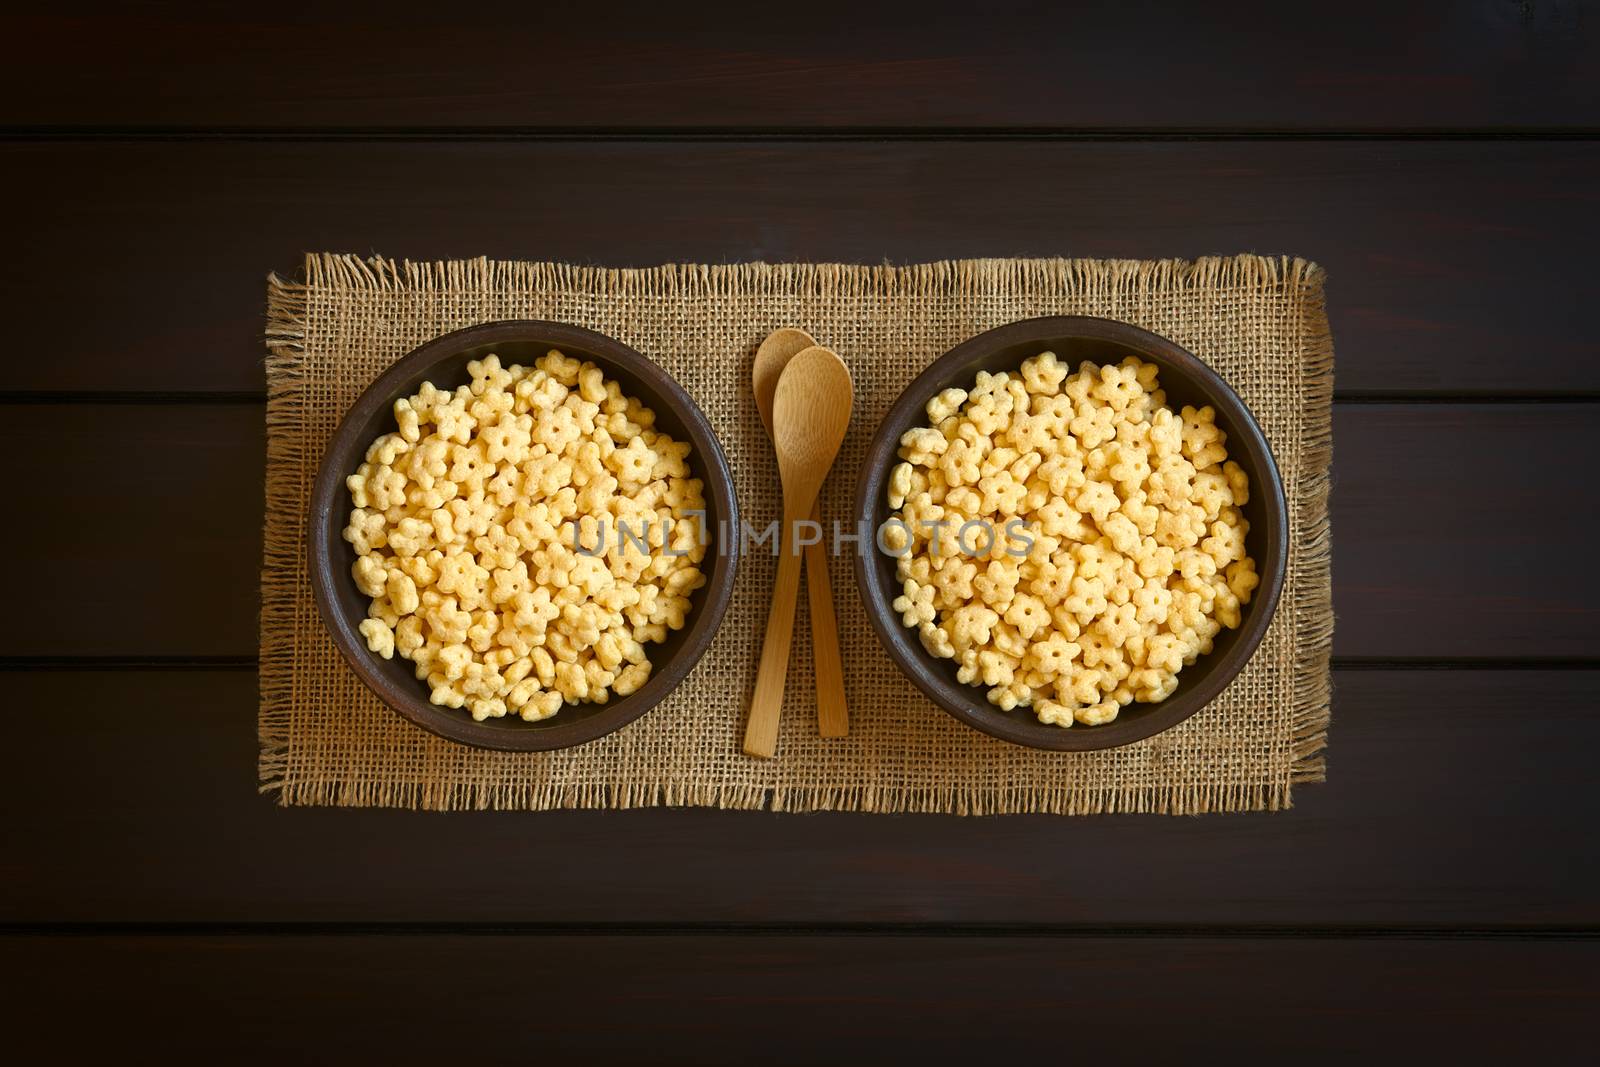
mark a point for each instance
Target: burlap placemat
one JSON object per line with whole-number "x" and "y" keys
{"x": 326, "y": 740}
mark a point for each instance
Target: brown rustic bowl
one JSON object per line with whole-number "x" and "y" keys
{"x": 1187, "y": 381}
{"x": 443, "y": 362}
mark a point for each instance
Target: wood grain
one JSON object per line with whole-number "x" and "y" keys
{"x": 1455, "y": 798}
{"x": 1363, "y": 64}
{"x": 722, "y": 999}
{"x": 1446, "y": 543}
{"x": 766, "y": 702}
{"x": 1447, "y": 261}
{"x": 833, "y": 709}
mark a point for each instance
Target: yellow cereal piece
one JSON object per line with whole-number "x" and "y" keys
{"x": 1135, "y": 558}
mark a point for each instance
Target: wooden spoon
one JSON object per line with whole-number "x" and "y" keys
{"x": 810, "y": 413}
{"x": 833, "y": 713}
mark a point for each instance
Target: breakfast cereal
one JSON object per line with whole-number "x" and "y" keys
{"x": 524, "y": 537}
{"x": 1069, "y": 540}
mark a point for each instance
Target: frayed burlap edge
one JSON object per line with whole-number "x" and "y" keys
{"x": 1312, "y": 607}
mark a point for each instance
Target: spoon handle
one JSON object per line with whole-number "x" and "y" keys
{"x": 761, "y": 731}
{"x": 833, "y": 714}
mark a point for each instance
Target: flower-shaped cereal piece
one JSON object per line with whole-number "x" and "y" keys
{"x": 987, "y": 416}
{"x": 446, "y": 695}
{"x": 923, "y": 446}
{"x": 946, "y": 404}
{"x": 387, "y": 449}
{"x": 380, "y": 638}
{"x": 1151, "y": 601}
{"x": 961, "y": 502}
{"x": 366, "y": 531}
{"x": 1119, "y": 624}
{"x": 485, "y": 625}
{"x": 488, "y": 375}
{"x": 1093, "y": 425}
{"x": 1063, "y": 471}
{"x": 967, "y": 667}
{"x": 405, "y": 416}
{"x": 672, "y": 459}
{"x": 996, "y": 458}
{"x": 631, "y": 678}
{"x": 1080, "y": 686}
{"x": 633, "y": 465}
{"x": 1130, "y": 465}
{"x": 1124, "y": 535}
{"x": 453, "y": 421}
{"x": 1053, "y": 583}
{"x": 996, "y": 669}
{"x": 402, "y": 592}
{"x": 557, "y": 430}
{"x": 1238, "y": 483}
{"x": 1195, "y": 565}
{"x": 1118, "y": 387}
{"x": 1211, "y": 493}
{"x": 1187, "y": 612}
{"x": 899, "y": 484}
{"x": 1057, "y": 518}
{"x": 1226, "y": 543}
{"x": 1098, "y": 714}
{"x": 561, "y": 367}
{"x": 357, "y": 485}
{"x": 1242, "y": 579}
{"x": 1032, "y": 433}
{"x": 1203, "y": 440}
{"x": 936, "y": 639}
{"x": 1043, "y": 374}
{"x": 1143, "y": 514}
{"x": 1053, "y": 714}
{"x": 998, "y": 582}
{"x": 460, "y": 574}
{"x": 1180, "y": 526}
{"x": 1226, "y": 608}
{"x": 1002, "y": 494}
{"x": 953, "y": 579}
{"x": 1097, "y": 499}
{"x": 508, "y": 439}
{"x": 915, "y": 604}
{"x": 1054, "y": 655}
{"x": 972, "y": 625}
{"x": 1088, "y": 599}
{"x": 370, "y": 574}
{"x": 1007, "y": 697}
{"x": 591, "y": 384}
{"x": 1028, "y": 615}
{"x": 961, "y": 464}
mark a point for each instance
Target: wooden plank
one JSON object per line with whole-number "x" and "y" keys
{"x": 733, "y": 999}
{"x": 1445, "y": 540}
{"x": 1455, "y": 798}
{"x": 1362, "y": 65}
{"x": 142, "y": 264}
{"x": 144, "y": 536}
{"x": 1449, "y": 542}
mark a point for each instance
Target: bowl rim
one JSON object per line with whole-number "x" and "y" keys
{"x": 455, "y": 724}
{"x": 967, "y": 704}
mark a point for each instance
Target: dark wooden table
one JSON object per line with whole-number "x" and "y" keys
{"x": 1438, "y": 895}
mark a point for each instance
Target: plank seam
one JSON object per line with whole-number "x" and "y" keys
{"x": 1509, "y": 931}
{"x": 758, "y": 134}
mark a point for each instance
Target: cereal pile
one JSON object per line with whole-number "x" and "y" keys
{"x": 1067, "y": 539}
{"x": 524, "y": 537}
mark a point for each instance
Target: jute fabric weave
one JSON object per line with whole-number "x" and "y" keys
{"x": 1259, "y": 321}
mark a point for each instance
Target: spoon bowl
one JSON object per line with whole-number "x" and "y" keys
{"x": 810, "y": 413}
